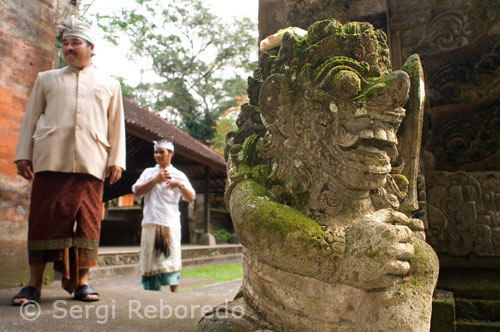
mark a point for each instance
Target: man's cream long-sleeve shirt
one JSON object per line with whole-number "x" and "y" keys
{"x": 74, "y": 123}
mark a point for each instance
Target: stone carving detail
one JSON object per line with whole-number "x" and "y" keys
{"x": 118, "y": 259}
{"x": 468, "y": 79}
{"x": 314, "y": 186}
{"x": 464, "y": 213}
{"x": 421, "y": 212}
{"x": 458, "y": 24}
{"x": 468, "y": 138}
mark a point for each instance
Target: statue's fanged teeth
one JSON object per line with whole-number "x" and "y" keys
{"x": 380, "y": 134}
{"x": 374, "y": 140}
{"x": 374, "y": 145}
{"x": 348, "y": 140}
{"x": 391, "y": 136}
{"x": 366, "y": 133}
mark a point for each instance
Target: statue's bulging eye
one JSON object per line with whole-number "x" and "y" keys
{"x": 344, "y": 84}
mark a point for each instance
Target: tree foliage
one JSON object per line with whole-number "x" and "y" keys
{"x": 201, "y": 61}
{"x": 60, "y": 57}
{"x": 226, "y": 123}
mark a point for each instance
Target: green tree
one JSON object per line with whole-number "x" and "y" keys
{"x": 202, "y": 62}
{"x": 127, "y": 90}
{"x": 61, "y": 62}
{"x": 226, "y": 123}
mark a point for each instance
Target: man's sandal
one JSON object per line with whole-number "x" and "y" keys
{"x": 30, "y": 293}
{"x": 83, "y": 291}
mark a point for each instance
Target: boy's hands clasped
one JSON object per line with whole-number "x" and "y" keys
{"x": 164, "y": 176}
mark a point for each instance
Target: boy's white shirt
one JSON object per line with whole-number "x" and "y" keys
{"x": 161, "y": 204}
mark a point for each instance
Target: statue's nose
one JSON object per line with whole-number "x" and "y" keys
{"x": 396, "y": 90}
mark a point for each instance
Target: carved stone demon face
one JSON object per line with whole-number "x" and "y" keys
{"x": 365, "y": 141}
{"x": 338, "y": 128}
{"x": 329, "y": 108}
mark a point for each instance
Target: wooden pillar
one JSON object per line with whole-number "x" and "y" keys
{"x": 207, "y": 200}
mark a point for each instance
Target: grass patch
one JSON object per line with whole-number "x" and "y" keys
{"x": 221, "y": 273}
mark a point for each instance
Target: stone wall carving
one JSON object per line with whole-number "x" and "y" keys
{"x": 470, "y": 78}
{"x": 468, "y": 138}
{"x": 442, "y": 25}
{"x": 118, "y": 259}
{"x": 464, "y": 213}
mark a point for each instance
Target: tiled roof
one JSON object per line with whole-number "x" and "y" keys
{"x": 157, "y": 127}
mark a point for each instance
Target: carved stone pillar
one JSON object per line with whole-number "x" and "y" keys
{"x": 459, "y": 43}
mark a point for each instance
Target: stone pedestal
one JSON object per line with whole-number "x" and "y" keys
{"x": 207, "y": 239}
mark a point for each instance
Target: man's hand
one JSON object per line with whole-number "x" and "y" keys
{"x": 114, "y": 173}
{"x": 162, "y": 176}
{"x": 25, "y": 169}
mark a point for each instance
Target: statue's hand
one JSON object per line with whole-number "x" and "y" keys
{"x": 378, "y": 249}
{"x": 397, "y": 218}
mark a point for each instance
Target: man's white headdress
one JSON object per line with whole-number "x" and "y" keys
{"x": 74, "y": 27}
{"x": 164, "y": 144}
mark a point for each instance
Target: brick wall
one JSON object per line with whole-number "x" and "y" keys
{"x": 27, "y": 39}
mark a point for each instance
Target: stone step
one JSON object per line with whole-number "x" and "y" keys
{"x": 477, "y": 309}
{"x": 443, "y": 312}
{"x": 477, "y": 326}
{"x": 210, "y": 251}
{"x": 471, "y": 284}
{"x": 114, "y": 271}
{"x": 116, "y": 261}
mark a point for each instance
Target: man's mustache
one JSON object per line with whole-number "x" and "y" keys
{"x": 71, "y": 52}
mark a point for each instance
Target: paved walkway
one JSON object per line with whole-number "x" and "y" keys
{"x": 124, "y": 306}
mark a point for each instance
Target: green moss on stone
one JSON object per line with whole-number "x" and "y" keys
{"x": 443, "y": 315}
{"x": 252, "y": 190}
{"x": 260, "y": 173}
{"x": 369, "y": 92}
{"x": 419, "y": 257}
{"x": 250, "y": 149}
{"x": 372, "y": 253}
{"x": 412, "y": 68}
{"x": 275, "y": 217}
{"x": 296, "y": 194}
{"x": 242, "y": 169}
{"x": 402, "y": 182}
{"x": 476, "y": 284}
{"x": 374, "y": 87}
{"x": 341, "y": 62}
{"x": 478, "y": 309}
{"x": 322, "y": 96}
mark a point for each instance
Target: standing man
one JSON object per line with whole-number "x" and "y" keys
{"x": 162, "y": 187}
{"x": 71, "y": 139}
